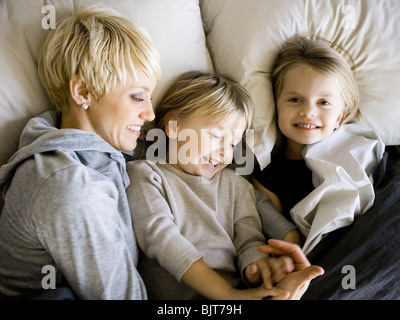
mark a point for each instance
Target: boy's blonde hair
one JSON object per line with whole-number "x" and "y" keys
{"x": 199, "y": 93}
{"x": 100, "y": 48}
{"x": 299, "y": 50}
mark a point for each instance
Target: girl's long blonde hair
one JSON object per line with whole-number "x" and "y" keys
{"x": 320, "y": 56}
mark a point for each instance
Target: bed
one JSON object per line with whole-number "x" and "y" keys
{"x": 241, "y": 39}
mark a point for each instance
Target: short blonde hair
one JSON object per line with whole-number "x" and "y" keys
{"x": 300, "y": 50}
{"x": 99, "y": 47}
{"x": 199, "y": 93}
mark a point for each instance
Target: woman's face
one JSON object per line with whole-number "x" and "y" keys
{"x": 119, "y": 116}
{"x": 310, "y": 107}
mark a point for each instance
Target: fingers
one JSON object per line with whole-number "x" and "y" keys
{"x": 253, "y": 275}
{"x": 265, "y": 272}
{"x": 281, "y": 248}
{"x": 274, "y": 293}
{"x": 269, "y": 270}
{"x": 292, "y": 286}
{"x": 280, "y": 267}
{"x": 260, "y": 293}
{"x": 311, "y": 273}
{"x": 297, "y": 282}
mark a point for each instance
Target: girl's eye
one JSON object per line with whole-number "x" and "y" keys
{"x": 294, "y": 100}
{"x": 324, "y": 103}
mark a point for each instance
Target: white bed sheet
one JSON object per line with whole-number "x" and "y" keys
{"x": 342, "y": 167}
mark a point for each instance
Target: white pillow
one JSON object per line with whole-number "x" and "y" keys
{"x": 175, "y": 26}
{"x": 244, "y": 37}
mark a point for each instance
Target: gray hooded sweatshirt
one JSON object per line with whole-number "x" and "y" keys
{"x": 66, "y": 218}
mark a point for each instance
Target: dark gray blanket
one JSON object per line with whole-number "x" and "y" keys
{"x": 370, "y": 246}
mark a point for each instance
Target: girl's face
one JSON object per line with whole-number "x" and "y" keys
{"x": 202, "y": 145}
{"x": 120, "y": 115}
{"x": 310, "y": 107}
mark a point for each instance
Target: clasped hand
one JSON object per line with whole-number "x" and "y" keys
{"x": 286, "y": 274}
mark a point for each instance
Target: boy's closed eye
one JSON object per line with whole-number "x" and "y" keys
{"x": 215, "y": 136}
{"x": 222, "y": 138}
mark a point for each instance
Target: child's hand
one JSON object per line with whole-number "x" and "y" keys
{"x": 296, "y": 282}
{"x": 269, "y": 271}
{"x": 291, "y": 287}
{"x": 260, "y": 293}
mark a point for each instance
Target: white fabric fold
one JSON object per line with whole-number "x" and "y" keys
{"x": 342, "y": 167}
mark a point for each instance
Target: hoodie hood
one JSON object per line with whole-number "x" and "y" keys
{"x": 41, "y": 135}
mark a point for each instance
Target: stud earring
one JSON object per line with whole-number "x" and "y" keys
{"x": 84, "y": 106}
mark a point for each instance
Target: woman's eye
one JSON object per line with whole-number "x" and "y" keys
{"x": 137, "y": 98}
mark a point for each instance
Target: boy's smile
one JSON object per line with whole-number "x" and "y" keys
{"x": 205, "y": 145}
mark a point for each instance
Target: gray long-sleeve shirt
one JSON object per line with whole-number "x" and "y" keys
{"x": 66, "y": 207}
{"x": 179, "y": 218}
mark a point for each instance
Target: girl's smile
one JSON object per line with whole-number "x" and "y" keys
{"x": 310, "y": 107}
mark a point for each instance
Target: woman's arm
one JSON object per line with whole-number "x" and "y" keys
{"x": 79, "y": 222}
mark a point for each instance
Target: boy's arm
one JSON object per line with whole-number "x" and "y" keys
{"x": 211, "y": 285}
{"x": 155, "y": 227}
{"x": 200, "y": 277}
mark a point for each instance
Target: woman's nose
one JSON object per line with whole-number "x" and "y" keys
{"x": 147, "y": 113}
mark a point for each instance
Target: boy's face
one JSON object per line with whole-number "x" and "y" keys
{"x": 202, "y": 145}
{"x": 310, "y": 107}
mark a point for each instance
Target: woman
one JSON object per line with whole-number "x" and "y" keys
{"x": 66, "y": 214}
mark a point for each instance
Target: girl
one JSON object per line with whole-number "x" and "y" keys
{"x": 195, "y": 221}
{"x": 315, "y": 93}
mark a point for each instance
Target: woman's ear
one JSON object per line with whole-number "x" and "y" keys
{"x": 78, "y": 91}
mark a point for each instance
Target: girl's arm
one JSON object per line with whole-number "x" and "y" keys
{"x": 294, "y": 235}
{"x": 274, "y": 198}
